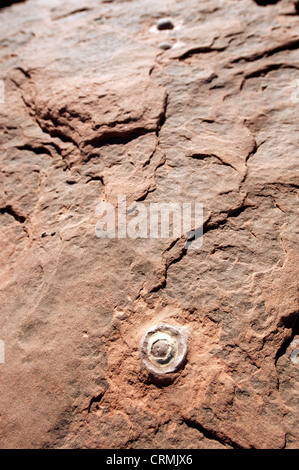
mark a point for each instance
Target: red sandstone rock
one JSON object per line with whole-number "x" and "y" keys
{"x": 93, "y": 109}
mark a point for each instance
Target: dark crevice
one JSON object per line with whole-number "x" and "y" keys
{"x": 292, "y": 323}
{"x": 56, "y": 147}
{"x": 269, "y": 68}
{"x": 26, "y": 73}
{"x": 220, "y": 248}
{"x": 178, "y": 258}
{"x": 52, "y": 133}
{"x": 263, "y": 3}
{"x": 159, "y": 286}
{"x": 283, "y": 185}
{"x": 162, "y": 117}
{"x": 224, "y": 440}
{"x": 235, "y": 212}
{"x": 144, "y": 196}
{"x": 96, "y": 178}
{"x": 201, "y": 156}
{"x": 201, "y": 50}
{"x": 91, "y": 147}
{"x": 171, "y": 245}
{"x": 117, "y": 138}
{"x": 195, "y": 234}
{"x": 172, "y": 260}
{"x": 43, "y": 148}
{"x": 205, "y": 156}
{"x": 290, "y": 45}
{"x": 95, "y": 399}
{"x": 71, "y": 13}
{"x": 11, "y": 211}
{"x": 41, "y": 121}
{"x": 56, "y": 132}
{"x": 38, "y": 150}
{"x": 88, "y": 149}
{"x": 7, "y": 3}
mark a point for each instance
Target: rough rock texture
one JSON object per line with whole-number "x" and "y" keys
{"x": 95, "y": 108}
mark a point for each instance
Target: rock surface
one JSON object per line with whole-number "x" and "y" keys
{"x": 94, "y": 108}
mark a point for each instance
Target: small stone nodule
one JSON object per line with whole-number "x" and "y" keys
{"x": 165, "y": 46}
{"x": 164, "y": 23}
{"x": 163, "y": 349}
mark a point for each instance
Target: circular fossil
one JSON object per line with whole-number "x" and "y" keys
{"x": 163, "y": 348}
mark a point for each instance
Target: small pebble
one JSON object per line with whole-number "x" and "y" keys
{"x": 165, "y": 23}
{"x": 165, "y": 46}
{"x": 52, "y": 234}
{"x": 44, "y": 234}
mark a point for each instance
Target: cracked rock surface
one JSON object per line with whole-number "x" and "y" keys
{"x": 94, "y": 108}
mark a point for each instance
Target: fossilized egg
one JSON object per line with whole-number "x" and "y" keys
{"x": 163, "y": 348}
